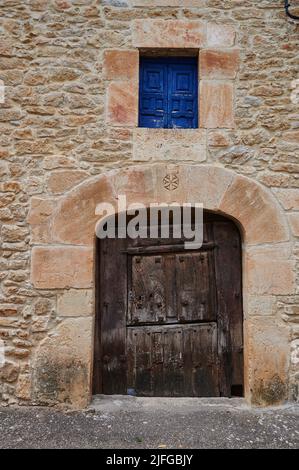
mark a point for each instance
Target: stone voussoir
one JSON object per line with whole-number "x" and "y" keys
{"x": 253, "y": 206}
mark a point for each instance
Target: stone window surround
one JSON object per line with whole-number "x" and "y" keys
{"x": 218, "y": 58}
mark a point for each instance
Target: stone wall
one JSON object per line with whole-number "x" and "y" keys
{"x": 70, "y": 70}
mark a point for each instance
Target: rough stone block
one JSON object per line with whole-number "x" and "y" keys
{"x": 260, "y": 305}
{"x": 216, "y": 105}
{"x": 219, "y": 64}
{"x": 220, "y": 35}
{"x": 168, "y": 34}
{"x": 75, "y": 303}
{"x": 58, "y": 267}
{"x": 61, "y": 366}
{"x": 122, "y": 106}
{"x": 24, "y": 387}
{"x": 9, "y": 372}
{"x": 13, "y": 233}
{"x": 268, "y": 350}
{"x": 61, "y": 181}
{"x": 218, "y": 139}
{"x": 169, "y": 3}
{"x": 294, "y": 223}
{"x": 121, "y": 64}
{"x": 169, "y": 144}
{"x": 270, "y": 273}
{"x": 289, "y": 198}
{"x": 39, "y": 219}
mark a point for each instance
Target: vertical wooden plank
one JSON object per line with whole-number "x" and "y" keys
{"x": 195, "y": 286}
{"x": 188, "y": 365}
{"x": 204, "y": 360}
{"x": 178, "y": 363}
{"x": 182, "y": 93}
{"x": 172, "y": 313}
{"x": 113, "y": 306}
{"x": 229, "y": 314}
{"x": 147, "y": 303}
{"x": 131, "y": 361}
{"x": 143, "y": 383}
{"x": 173, "y": 360}
{"x": 157, "y": 363}
{"x": 97, "y": 360}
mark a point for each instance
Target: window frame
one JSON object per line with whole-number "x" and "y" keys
{"x": 168, "y": 61}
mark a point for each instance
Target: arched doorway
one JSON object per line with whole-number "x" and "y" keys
{"x": 169, "y": 321}
{"x": 65, "y": 260}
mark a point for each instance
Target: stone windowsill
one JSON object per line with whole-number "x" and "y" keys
{"x": 169, "y": 144}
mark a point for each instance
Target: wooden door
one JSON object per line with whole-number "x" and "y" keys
{"x": 169, "y": 320}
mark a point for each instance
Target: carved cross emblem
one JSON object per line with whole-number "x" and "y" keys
{"x": 170, "y": 182}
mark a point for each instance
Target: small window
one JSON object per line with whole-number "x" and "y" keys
{"x": 168, "y": 95}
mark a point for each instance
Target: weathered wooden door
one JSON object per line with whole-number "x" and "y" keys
{"x": 169, "y": 320}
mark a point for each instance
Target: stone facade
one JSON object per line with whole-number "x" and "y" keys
{"x": 70, "y": 140}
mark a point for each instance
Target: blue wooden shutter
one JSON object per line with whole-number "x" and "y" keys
{"x": 168, "y": 93}
{"x": 153, "y": 94}
{"x": 182, "y": 95}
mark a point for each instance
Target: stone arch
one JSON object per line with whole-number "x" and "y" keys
{"x": 267, "y": 270}
{"x": 219, "y": 189}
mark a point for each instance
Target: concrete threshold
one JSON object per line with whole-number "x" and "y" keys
{"x": 114, "y": 403}
{"x": 178, "y": 404}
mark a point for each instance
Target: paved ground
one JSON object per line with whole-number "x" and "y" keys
{"x": 129, "y": 422}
